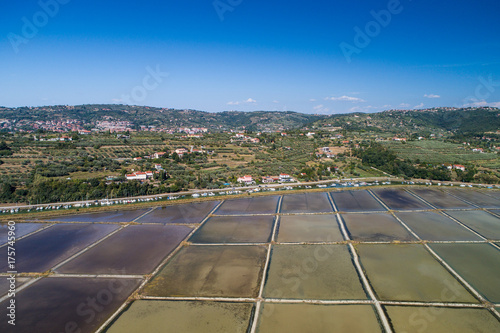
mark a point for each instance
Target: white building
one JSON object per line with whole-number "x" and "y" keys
{"x": 181, "y": 152}
{"x": 246, "y": 180}
{"x": 139, "y": 175}
{"x": 285, "y": 178}
{"x": 159, "y": 154}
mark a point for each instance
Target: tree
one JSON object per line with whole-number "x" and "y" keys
{"x": 6, "y": 191}
{"x": 176, "y": 157}
{"x": 4, "y": 146}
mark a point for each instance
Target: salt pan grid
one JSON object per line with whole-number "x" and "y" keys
{"x": 285, "y": 294}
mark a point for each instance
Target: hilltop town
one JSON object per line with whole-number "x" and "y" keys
{"x": 99, "y": 151}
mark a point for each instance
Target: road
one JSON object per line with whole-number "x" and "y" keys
{"x": 190, "y": 192}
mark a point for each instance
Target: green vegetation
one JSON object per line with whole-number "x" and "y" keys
{"x": 38, "y": 165}
{"x": 385, "y": 160}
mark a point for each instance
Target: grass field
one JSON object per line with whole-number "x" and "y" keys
{"x": 434, "y": 151}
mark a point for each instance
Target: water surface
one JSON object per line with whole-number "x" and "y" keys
{"x": 183, "y": 316}
{"x": 312, "y": 272}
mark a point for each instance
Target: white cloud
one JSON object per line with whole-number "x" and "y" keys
{"x": 404, "y": 105}
{"x": 431, "y": 96}
{"x": 248, "y": 101}
{"x": 346, "y": 99}
{"x": 362, "y": 108}
{"x": 481, "y": 103}
{"x": 117, "y": 100}
{"x": 312, "y": 100}
{"x": 421, "y": 105}
{"x": 321, "y": 109}
{"x": 275, "y": 102}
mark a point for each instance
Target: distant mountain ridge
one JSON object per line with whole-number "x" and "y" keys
{"x": 162, "y": 117}
{"x": 464, "y": 120}
{"x": 483, "y": 119}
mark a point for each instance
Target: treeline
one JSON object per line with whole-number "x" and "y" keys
{"x": 78, "y": 164}
{"x": 379, "y": 157}
{"x": 57, "y": 190}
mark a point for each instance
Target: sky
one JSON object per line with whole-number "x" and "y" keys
{"x": 324, "y": 57}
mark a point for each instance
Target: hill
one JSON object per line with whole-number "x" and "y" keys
{"x": 444, "y": 120}
{"x": 137, "y": 116}
{"x": 438, "y": 120}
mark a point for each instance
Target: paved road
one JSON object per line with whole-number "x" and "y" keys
{"x": 241, "y": 188}
{"x": 190, "y": 192}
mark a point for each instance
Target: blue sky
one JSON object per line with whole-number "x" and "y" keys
{"x": 326, "y": 57}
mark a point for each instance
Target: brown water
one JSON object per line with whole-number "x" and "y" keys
{"x": 399, "y": 199}
{"x": 375, "y": 227}
{"x": 45, "y": 249}
{"x": 185, "y": 213}
{"x": 224, "y": 271}
{"x": 309, "y": 228}
{"x": 137, "y": 249}
{"x": 67, "y": 304}
{"x": 436, "y": 227}
{"x": 407, "y": 272}
{"x": 306, "y": 203}
{"x": 235, "y": 229}
{"x": 255, "y": 205}
{"x": 182, "y": 316}
{"x": 478, "y": 264}
{"x": 441, "y": 199}
{"x": 412, "y": 319}
{"x": 312, "y": 272}
{"x": 356, "y": 201}
{"x": 480, "y": 221}
{"x": 299, "y": 318}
